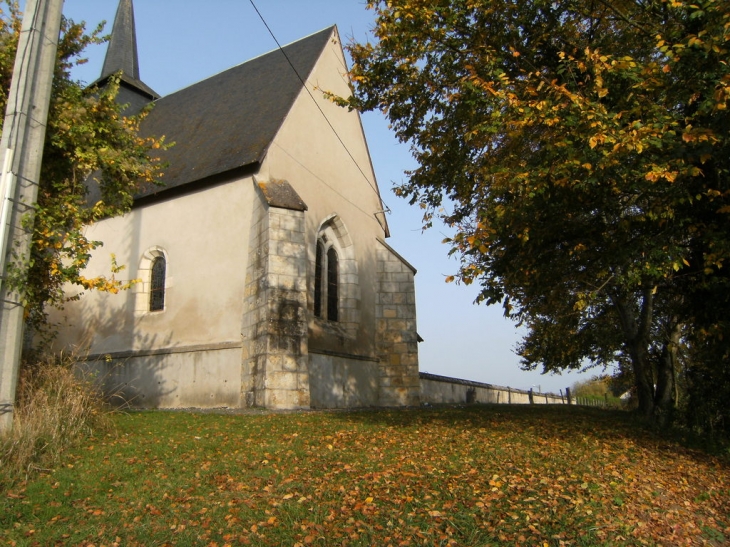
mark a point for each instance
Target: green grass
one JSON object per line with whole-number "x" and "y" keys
{"x": 479, "y": 475}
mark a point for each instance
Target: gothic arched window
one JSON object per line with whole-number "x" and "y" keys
{"x": 326, "y": 281}
{"x": 333, "y": 269}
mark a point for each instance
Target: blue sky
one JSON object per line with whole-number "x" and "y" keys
{"x": 181, "y": 42}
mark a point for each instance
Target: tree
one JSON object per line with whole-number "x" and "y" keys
{"x": 89, "y": 143}
{"x": 580, "y": 149}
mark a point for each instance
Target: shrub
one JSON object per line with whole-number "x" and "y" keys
{"x": 56, "y": 408}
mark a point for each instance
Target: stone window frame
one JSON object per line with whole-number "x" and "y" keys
{"x": 144, "y": 289}
{"x": 333, "y": 234}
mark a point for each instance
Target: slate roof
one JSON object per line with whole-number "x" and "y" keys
{"x": 228, "y": 121}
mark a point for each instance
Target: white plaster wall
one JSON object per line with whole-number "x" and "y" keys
{"x": 205, "y": 238}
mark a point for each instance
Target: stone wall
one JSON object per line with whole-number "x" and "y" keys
{"x": 396, "y": 336}
{"x": 437, "y": 389}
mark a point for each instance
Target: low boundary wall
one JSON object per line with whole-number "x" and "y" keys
{"x": 437, "y": 389}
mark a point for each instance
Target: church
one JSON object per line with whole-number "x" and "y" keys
{"x": 264, "y": 278}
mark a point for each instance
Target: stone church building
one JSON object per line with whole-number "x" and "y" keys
{"x": 264, "y": 275}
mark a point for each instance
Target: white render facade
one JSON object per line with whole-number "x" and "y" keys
{"x": 253, "y": 313}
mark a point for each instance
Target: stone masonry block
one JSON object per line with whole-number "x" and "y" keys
{"x": 406, "y": 312}
{"x": 400, "y": 348}
{"x": 293, "y": 221}
{"x": 390, "y": 312}
{"x": 392, "y": 381}
{"x": 285, "y": 265}
{"x": 287, "y": 248}
{"x": 287, "y": 399}
{"x": 389, "y": 286}
{"x": 402, "y": 277}
{"x": 397, "y": 324}
{"x": 282, "y": 381}
{"x": 292, "y": 283}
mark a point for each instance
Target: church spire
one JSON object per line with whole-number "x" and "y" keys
{"x": 122, "y": 51}
{"x": 121, "y": 56}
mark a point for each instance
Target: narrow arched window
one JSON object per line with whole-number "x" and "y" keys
{"x": 157, "y": 284}
{"x": 332, "y": 284}
{"x": 318, "y": 280}
{"x": 326, "y": 281}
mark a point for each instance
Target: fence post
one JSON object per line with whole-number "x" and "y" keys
{"x": 529, "y": 395}
{"x": 567, "y": 393}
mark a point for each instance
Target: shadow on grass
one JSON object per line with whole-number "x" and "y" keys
{"x": 546, "y": 422}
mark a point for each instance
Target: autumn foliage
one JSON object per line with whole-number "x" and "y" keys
{"x": 580, "y": 150}
{"x": 484, "y": 475}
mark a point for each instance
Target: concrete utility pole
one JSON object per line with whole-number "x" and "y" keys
{"x": 21, "y": 151}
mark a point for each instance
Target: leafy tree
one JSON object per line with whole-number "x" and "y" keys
{"x": 88, "y": 143}
{"x": 580, "y": 148}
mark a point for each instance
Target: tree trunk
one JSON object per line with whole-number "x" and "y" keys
{"x": 664, "y": 399}
{"x": 636, "y": 338}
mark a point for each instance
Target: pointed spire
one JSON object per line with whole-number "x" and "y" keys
{"x": 122, "y": 51}
{"x": 121, "y": 55}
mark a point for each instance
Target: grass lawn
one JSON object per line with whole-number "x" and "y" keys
{"x": 479, "y": 475}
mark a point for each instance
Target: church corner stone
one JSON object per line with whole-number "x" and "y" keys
{"x": 396, "y": 338}
{"x": 274, "y": 369}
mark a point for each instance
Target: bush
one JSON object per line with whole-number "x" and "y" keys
{"x": 56, "y": 408}
{"x": 595, "y": 387}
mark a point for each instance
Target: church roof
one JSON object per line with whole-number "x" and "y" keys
{"x": 228, "y": 121}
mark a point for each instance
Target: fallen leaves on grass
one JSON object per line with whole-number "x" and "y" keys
{"x": 471, "y": 476}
